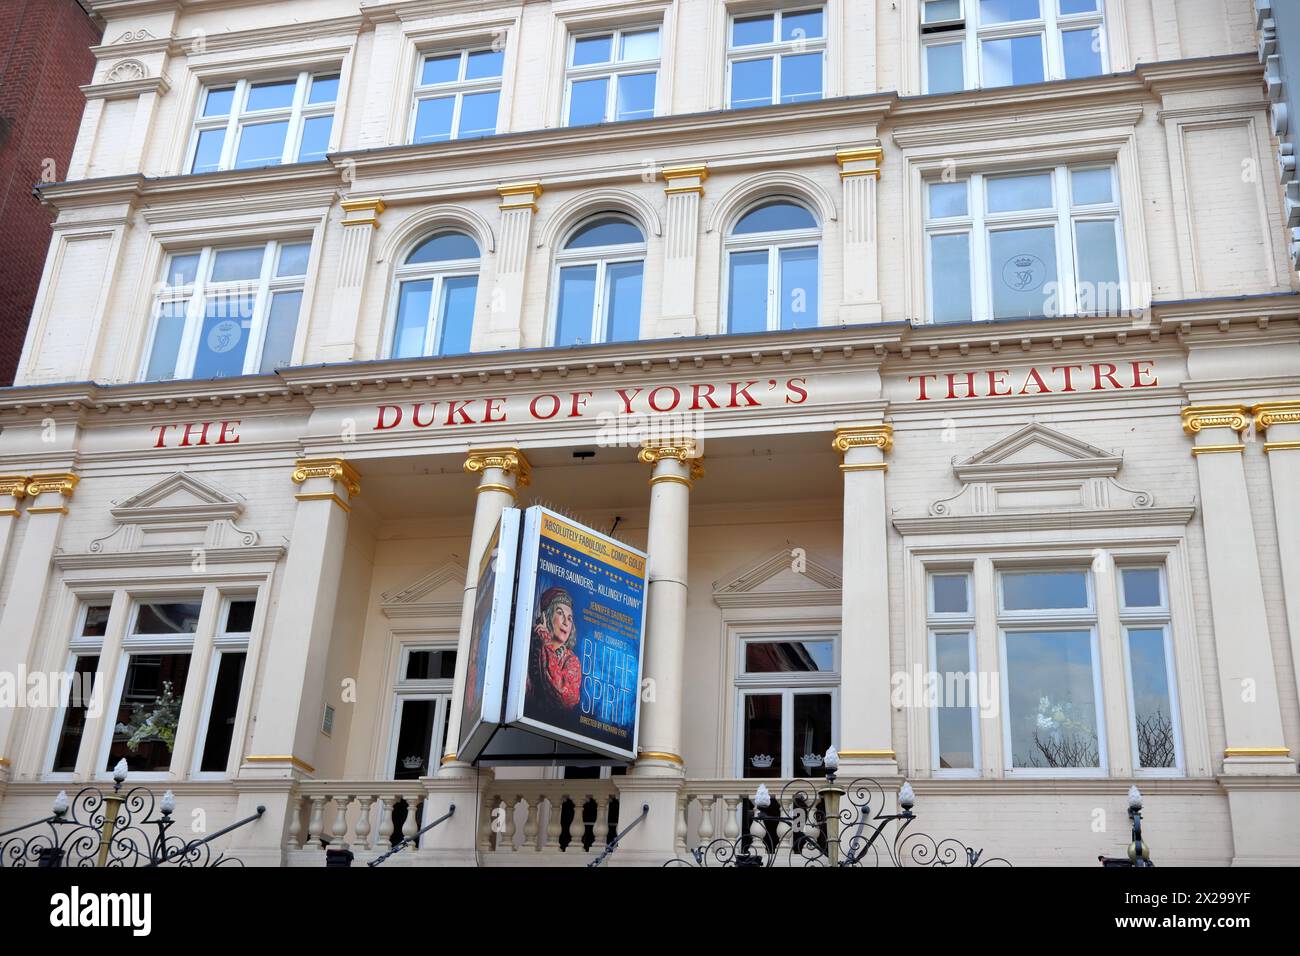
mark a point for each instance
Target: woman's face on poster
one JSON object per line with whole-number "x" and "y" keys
{"x": 561, "y": 624}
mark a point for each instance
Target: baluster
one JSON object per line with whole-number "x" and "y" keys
{"x": 731, "y": 819}
{"x": 339, "y": 828}
{"x": 316, "y": 824}
{"x": 575, "y": 824}
{"x": 552, "y": 823}
{"x": 531, "y": 824}
{"x": 362, "y": 828}
{"x": 295, "y": 824}
{"x": 485, "y": 831}
{"x": 409, "y": 826}
{"x": 600, "y": 830}
{"x": 385, "y": 825}
{"x": 679, "y": 834}
{"x": 512, "y": 822}
{"x": 706, "y": 818}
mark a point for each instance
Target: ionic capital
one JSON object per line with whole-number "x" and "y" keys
{"x": 510, "y": 460}
{"x": 14, "y": 485}
{"x": 864, "y": 436}
{"x": 335, "y": 469}
{"x": 685, "y": 450}
{"x": 60, "y": 484}
{"x": 1276, "y": 413}
{"x": 1197, "y": 418}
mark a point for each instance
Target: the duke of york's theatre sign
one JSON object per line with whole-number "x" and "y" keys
{"x": 571, "y": 413}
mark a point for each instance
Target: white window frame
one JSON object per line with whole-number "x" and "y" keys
{"x": 1150, "y": 618}
{"x": 601, "y": 257}
{"x": 1050, "y": 25}
{"x": 439, "y": 271}
{"x": 949, "y": 623}
{"x": 774, "y": 243}
{"x": 1072, "y": 619}
{"x": 458, "y": 88}
{"x": 773, "y": 51}
{"x": 78, "y": 646}
{"x": 296, "y": 114}
{"x": 197, "y": 293}
{"x": 225, "y": 642}
{"x": 1062, "y": 216}
{"x": 613, "y": 69}
{"x": 787, "y": 684}
{"x": 435, "y": 689}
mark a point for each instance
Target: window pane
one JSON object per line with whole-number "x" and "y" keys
{"x": 181, "y": 270}
{"x": 144, "y": 732}
{"x": 623, "y": 301}
{"x": 950, "y": 296}
{"x": 1009, "y": 193}
{"x": 440, "y": 69}
{"x": 587, "y": 101}
{"x": 751, "y": 83}
{"x": 484, "y": 64}
{"x": 936, "y": 10}
{"x": 588, "y": 50}
{"x": 801, "y": 77}
{"x": 605, "y": 232}
{"x": 166, "y": 341}
{"x": 261, "y": 144}
{"x": 1024, "y": 263}
{"x": 315, "y": 138}
{"x": 636, "y": 96}
{"x": 1152, "y": 705}
{"x": 799, "y": 279}
{"x": 954, "y": 715}
{"x": 1141, "y": 587}
{"x": 221, "y": 715}
{"x": 762, "y": 746}
{"x": 444, "y": 247}
{"x": 577, "y": 303}
{"x": 747, "y": 30}
{"x": 207, "y": 155}
{"x": 1098, "y": 256}
{"x": 945, "y": 70}
{"x": 777, "y": 216}
{"x": 1082, "y": 50}
{"x": 281, "y": 329}
{"x": 239, "y": 616}
{"x": 229, "y": 265}
{"x": 1003, "y": 11}
{"x": 324, "y": 89}
{"x": 747, "y": 292}
{"x": 413, "y": 299}
{"x": 947, "y": 200}
{"x": 1090, "y": 186}
{"x": 782, "y": 657}
{"x": 74, "y": 716}
{"x": 277, "y": 94}
{"x": 1052, "y": 711}
{"x": 458, "y": 295}
{"x": 478, "y": 114}
{"x": 430, "y": 665}
{"x": 812, "y": 733}
{"x": 218, "y": 102}
{"x": 643, "y": 45}
{"x": 803, "y": 25}
{"x": 948, "y": 594}
{"x": 1044, "y": 590}
{"x": 174, "y": 617}
{"x": 223, "y": 339}
{"x": 414, "y": 739}
{"x": 433, "y": 119}
{"x": 293, "y": 259}
{"x": 96, "y": 621}
{"x": 1012, "y": 61}
{"x": 1077, "y": 6}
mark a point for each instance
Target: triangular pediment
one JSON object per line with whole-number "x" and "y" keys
{"x": 439, "y": 593}
{"x": 181, "y": 513}
{"x": 178, "y": 495}
{"x": 788, "y": 577}
{"x": 1035, "y": 450}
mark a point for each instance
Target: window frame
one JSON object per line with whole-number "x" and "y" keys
{"x": 786, "y": 684}
{"x": 404, "y": 689}
{"x": 78, "y": 646}
{"x": 1150, "y": 619}
{"x": 438, "y": 271}
{"x": 458, "y": 88}
{"x": 951, "y": 623}
{"x": 773, "y": 243}
{"x": 225, "y": 642}
{"x": 775, "y": 50}
{"x": 296, "y": 115}
{"x": 602, "y": 257}
{"x": 613, "y": 69}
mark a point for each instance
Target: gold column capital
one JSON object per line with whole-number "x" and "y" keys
{"x": 59, "y": 483}
{"x": 510, "y": 460}
{"x": 862, "y": 161}
{"x": 372, "y": 204}
{"x": 335, "y": 469}
{"x": 1276, "y": 413}
{"x": 520, "y": 195}
{"x": 674, "y": 175}
{"x": 684, "y": 450}
{"x": 1198, "y": 417}
{"x": 864, "y": 436}
{"x": 15, "y": 485}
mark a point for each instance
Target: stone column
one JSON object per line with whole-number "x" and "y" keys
{"x": 866, "y": 721}
{"x": 13, "y": 488}
{"x": 360, "y": 220}
{"x": 501, "y": 472}
{"x": 681, "y": 248}
{"x": 1252, "y": 716}
{"x": 1280, "y": 423}
{"x": 20, "y": 618}
{"x": 859, "y": 172}
{"x": 506, "y": 309}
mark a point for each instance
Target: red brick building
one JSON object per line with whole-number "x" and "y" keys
{"x": 44, "y": 58}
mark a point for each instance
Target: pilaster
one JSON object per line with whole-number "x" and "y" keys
{"x": 360, "y": 220}
{"x": 684, "y": 190}
{"x": 1279, "y": 424}
{"x": 505, "y": 314}
{"x": 859, "y": 174}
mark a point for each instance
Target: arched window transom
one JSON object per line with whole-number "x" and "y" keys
{"x": 600, "y": 267}
{"x": 773, "y": 268}
{"x": 437, "y": 286}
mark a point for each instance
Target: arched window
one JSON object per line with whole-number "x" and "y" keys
{"x": 773, "y": 268}
{"x": 436, "y": 289}
{"x": 598, "y": 287}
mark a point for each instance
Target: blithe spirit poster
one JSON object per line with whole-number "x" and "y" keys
{"x": 575, "y": 657}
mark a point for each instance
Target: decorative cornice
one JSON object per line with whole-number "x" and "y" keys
{"x": 686, "y": 451}
{"x": 1199, "y": 417}
{"x": 335, "y": 469}
{"x": 1062, "y": 520}
{"x": 14, "y": 485}
{"x": 520, "y": 195}
{"x": 60, "y": 483}
{"x": 510, "y": 460}
{"x": 1276, "y": 413}
{"x": 864, "y": 436}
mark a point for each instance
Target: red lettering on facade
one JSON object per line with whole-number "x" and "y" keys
{"x": 1098, "y": 375}
{"x": 555, "y": 407}
{"x": 491, "y": 406}
{"x": 627, "y": 399}
{"x": 379, "y": 419}
{"x": 997, "y": 377}
{"x": 415, "y": 415}
{"x": 1037, "y": 379}
{"x": 737, "y": 390}
{"x": 920, "y": 385}
{"x": 796, "y": 385}
{"x": 701, "y": 393}
{"x": 676, "y": 397}
{"x": 189, "y": 430}
{"x": 1067, "y": 369}
{"x": 227, "y": 434}
{"x": 579, "y": 403}
{"x": 1139, "y": 372}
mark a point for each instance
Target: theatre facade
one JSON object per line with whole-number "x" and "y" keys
{"x": 960, "y": 423}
